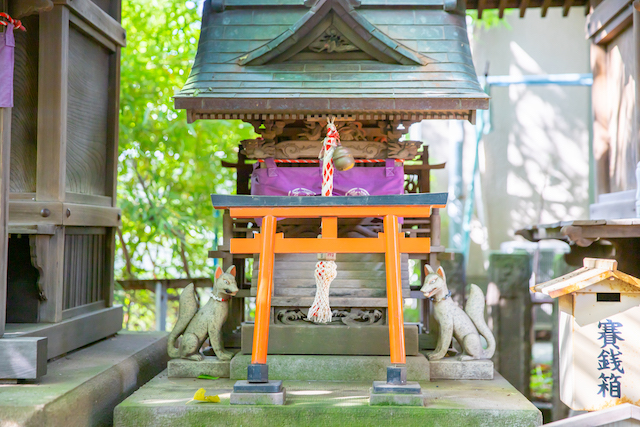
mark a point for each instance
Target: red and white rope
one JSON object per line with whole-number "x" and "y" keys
{"x": 304, "y": 161}
{"x": 16, "y": 24}
{"x": 328, "y": 147}
{"x": 326, "y": 271}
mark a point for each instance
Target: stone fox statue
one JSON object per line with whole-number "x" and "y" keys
{"x": 195, "y": 325}
{"x": 466, "y": 326}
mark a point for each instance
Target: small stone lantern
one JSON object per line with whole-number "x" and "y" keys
{"x": 599, "y": 326}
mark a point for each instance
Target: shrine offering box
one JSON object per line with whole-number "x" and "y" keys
{"x": 598, "y": 327}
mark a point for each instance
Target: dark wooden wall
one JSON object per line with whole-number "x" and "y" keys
{"x": 24, "y": 115}
{"x": 64, "y": 140}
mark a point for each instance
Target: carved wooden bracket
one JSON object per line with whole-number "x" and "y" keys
{"x": 258, "y": 148}
{"x": 574, "y": 234}
{"x": 261, "y": 149}
{"x": 39, "y": 246}
{"x": 403, "y": 149}
{"x": 271, "y": 129}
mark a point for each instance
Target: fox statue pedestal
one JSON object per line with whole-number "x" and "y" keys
{"x": 210, "y": 365}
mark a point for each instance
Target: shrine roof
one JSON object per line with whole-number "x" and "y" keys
{"x": 332, "y": 56}
{"x": 595, "y": 271}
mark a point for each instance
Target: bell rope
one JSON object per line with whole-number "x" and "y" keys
{"x": 326, "y": 269}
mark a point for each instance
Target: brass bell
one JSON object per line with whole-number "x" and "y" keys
{"x": 342, "y": 158}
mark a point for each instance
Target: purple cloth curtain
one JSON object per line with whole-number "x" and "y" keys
{"x": 7, "y": 44}
{"x": 288, "y": 181}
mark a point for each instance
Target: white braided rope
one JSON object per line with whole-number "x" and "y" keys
{"x": 320, "y": 311}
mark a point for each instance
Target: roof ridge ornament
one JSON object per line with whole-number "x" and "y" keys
{"x": 352, "y": 26}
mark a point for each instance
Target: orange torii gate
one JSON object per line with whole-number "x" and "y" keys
{"x": 267, "y": 243}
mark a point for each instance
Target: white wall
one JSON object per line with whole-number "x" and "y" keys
{"x": 534, "y": 163}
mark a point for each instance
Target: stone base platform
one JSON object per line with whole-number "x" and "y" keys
{"x": 451, "y": 369}
{"x": 331, "y": 368}
{"x": 181, "y": 368}
{"x": 396, "y": 399}
{"x": 258, "y": 398}
{"x": 83, "y": 387}
{"x": 491, "y": 403}
{"x": 370, "y": 340}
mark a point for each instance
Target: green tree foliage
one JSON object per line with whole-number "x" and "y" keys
{"x": 167, "y": 167}
{"x": 490, "y": 19}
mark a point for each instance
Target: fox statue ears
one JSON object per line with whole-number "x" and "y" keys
{"x": 440, "y": 272}
{"x": 231, "y": 270}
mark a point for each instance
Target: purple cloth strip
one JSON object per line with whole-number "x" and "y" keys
{"x": 7, "y": 44}
{"x": 307, "y": 181}
{"x": 296, "y": 181}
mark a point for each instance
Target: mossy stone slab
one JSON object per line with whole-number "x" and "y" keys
{"x": 258, "y": 398}
{"x": 395, "y": 399}
{"x": 181, "y": 368}
{"x": 449, "y": 368}
{"x": 492, "y": 403}
{"x": 331, "y": 368}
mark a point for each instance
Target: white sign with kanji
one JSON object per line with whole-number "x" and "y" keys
{"x": 599, "y": 350}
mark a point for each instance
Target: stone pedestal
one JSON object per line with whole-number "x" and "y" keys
{"x": 331, "y": 368}
{"x": 370, "y": 340}
{"x": 397, "y": 399}
{"x": 258, "y": 398}
{"x": 181, "y": 368}
{"x": 451, "y": 369}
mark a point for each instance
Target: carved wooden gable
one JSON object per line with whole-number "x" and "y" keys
{"x": 334, "y": 31}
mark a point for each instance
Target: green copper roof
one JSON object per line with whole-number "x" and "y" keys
{"x": 332, "y": 57}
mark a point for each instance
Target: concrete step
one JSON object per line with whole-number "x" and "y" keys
{"x": 83, "y": 387}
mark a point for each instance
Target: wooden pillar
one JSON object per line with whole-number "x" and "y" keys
{"x": 161, "y": 306}
{"x": 5, "y": 146}
{"x": 601, "y": 116}
{"x": 394, "y": 290}
{"x": 52, "y": 146}
{"x": 636, "y": 41}
{"x": 111, "y": 167}
{"x": 265, "y": 287}
{"x": 559, "y": 410}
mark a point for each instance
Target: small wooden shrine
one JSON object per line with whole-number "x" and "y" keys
{"x": 376, "y": 68}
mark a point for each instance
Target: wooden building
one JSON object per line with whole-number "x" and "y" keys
{"x": 58, "y": 175}
{"x": 613, "y": 228}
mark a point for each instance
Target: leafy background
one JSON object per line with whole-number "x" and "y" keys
{"x": 167, "y": 167}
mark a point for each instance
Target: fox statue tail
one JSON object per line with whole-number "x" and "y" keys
{"x": 475, "y": 309}
{"x": 188, "y": 309}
